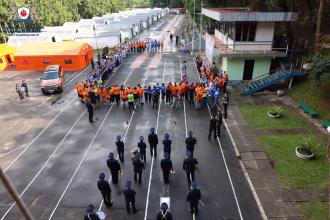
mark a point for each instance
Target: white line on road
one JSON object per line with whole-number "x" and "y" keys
{"x": 255, "y": 195}
{"x": 129, "y": 123}
{"x": 76, "y": 76}
{"x": 152, "y": 159}
{"x": 40, "y": 133}
{"x": 9, "y": 152}
{"x": 184, "y": 105}
{"x": 81, "y": 161}
{"x": 45, "y": 163}
{"x": 225, "y": 162}
{"x": 83, "y": 158}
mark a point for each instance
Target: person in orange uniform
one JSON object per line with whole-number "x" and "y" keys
{"x": 140, "y": 94}
{"x": 116, "y": 93}
{"x": 124, "y": 94}
{"x": 104, "y": 95}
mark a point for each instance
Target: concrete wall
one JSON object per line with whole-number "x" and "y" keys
{"x": 235, "y": 66}
{"x": 263, "y": 40}
{"x": 261, "y": 66}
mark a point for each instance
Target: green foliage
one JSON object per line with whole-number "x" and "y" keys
{"x": 294, "y": 172}
{"x": 318, "y": 97}
{"x": 256, "y": 117}
{"x": 314, "y": 210}
{"x": 310, "y": 144}
{"x": 56, "y": 12}
{"x": 275, "y": 110}
{"x": 320, "y": 68}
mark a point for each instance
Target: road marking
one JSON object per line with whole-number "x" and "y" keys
{"x": 65, "y": 85}
{"x": 184, "y": 105}
{"x": 225, "y": 162}
{"x": 82, "y": 159}
{"x": 255, "y": 195}
{"x": 45, "y": 163}
{"x": 5, "y": 154}
{"x": 152, "y": 159}
{"x": 40, "y": 133}
{"x": 129, "y": 123}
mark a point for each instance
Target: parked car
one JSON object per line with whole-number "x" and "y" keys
{"x": 53, "y": 79}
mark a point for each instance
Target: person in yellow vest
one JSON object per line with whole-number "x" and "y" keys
{"x": 130, "y": 98}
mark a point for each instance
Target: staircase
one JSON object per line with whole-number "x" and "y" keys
{"x": 267, "y": 80}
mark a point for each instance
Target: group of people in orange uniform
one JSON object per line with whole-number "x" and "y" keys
{"x": 147, "y": 45}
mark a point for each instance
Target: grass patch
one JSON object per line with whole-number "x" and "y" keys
{"x": 257, "y": 118}
{"x": 317, "y": 96}
{"x": 294, "y": 172}
{"x": 314, "y": 210}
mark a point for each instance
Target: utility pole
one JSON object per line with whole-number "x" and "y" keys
{"x": 193, "y": 31}
{"x": 12, "y": 192}
{"x": 201, "y": 30}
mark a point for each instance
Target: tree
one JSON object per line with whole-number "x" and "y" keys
{"x": 320, "y": 68}
{"x": 318, "y": 25}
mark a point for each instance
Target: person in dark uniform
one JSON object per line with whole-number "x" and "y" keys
{"x": 219, "y": 117}
{"x": 90, "y": 214}
{"x": 153, "y": 141}
{"x": 168, "y": 94}
{"x": 212, "y": 127}
{"x": 114, "y": 167}
{"x": 191, "y": 93}
{"x": 120, "y": 148}
{"x": 92, "y": 96}
{"x": 129, "y": 197}
{"x": 167, "y": 145}
{"x": 193, "y": 196}
{"x": 92, "y": 63}
{"x": 190, "y": 143}
{"x": 166, "y": 165}
{"x": 138, "y": 168}
{"x": 146, "y": 94}
{"x": 225, "y": 102}
{"x": 177, "y": 40}
{"x": 164, "y": 213}
{"x": 105, "y": 190}
{"x": 189, "y": 165}
{"x": 142, "y": 146}
{"x": 90, "y": 109}
{"x": 155, "y": 99}
{"x": 171, "y": 37}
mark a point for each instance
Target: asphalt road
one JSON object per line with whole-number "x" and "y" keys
{"x": 56, "y": 172}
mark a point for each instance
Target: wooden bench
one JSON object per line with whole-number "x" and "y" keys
{"x": 325, "y": 123}
{"x": 307, "y": 109}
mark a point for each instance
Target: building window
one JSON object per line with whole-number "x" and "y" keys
{"x": 245, "y": 31}
{"x": 1, "y": 61}
{"x": 68, "y": 61}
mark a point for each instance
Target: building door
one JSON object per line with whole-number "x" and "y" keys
{"x": 248, "y": 69}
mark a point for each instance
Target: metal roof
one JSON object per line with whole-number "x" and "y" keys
{"x": 244, "y": 14}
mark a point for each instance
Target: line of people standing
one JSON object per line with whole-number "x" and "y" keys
{"x": 138, "y": 164}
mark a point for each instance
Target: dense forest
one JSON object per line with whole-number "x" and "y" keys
{"x": 56, "y": 12}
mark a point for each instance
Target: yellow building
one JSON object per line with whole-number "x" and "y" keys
{"x": 6, "y": 56}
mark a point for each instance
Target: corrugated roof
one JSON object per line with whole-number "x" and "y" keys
{"x": 52, "y": 49}
{"x": 243, "y": 14}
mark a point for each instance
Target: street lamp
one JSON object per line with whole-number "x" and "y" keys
{"x": 97, "y": 47}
